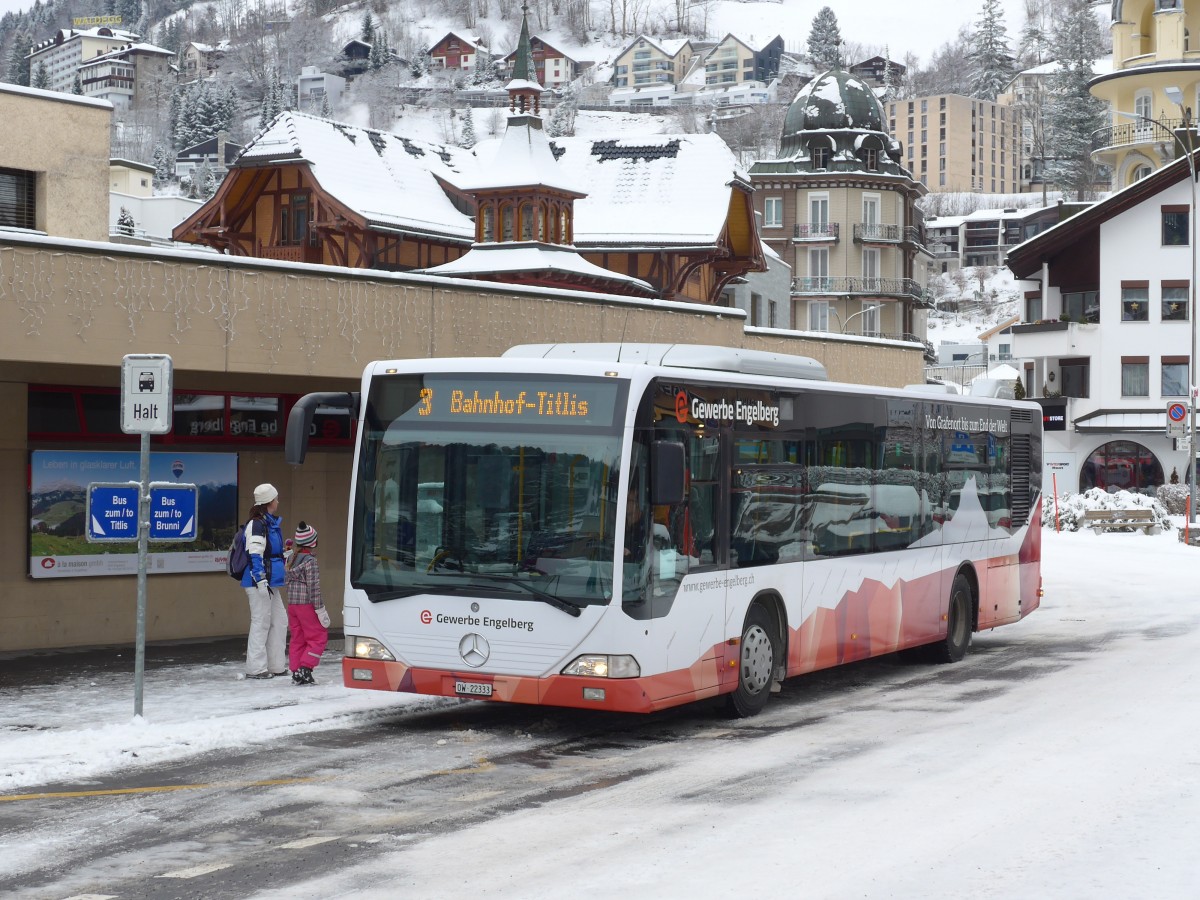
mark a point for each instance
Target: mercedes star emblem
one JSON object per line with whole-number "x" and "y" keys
{"x": 474, "y": 649}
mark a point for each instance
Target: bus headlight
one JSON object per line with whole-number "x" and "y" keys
{"x": 368, "y": 648}
{"x": 602, "y": 666}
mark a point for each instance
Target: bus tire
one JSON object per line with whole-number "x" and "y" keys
{"x": 959, "y": 624}
{"x": 758, "y": 658}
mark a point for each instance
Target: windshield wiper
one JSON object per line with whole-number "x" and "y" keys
{"x": 559, "y": 603}
{"x": 376, "y": 595}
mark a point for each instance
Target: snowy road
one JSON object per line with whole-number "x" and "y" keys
{"x": 1059, "y": 759}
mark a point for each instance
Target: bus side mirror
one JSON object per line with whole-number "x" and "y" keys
{"x": 667, "y": 473}
{"x": 300, "y": 419}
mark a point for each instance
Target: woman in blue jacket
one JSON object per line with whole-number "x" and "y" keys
{"x": 263, "y": 580}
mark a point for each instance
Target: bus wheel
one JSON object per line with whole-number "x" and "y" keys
{"x": 756, "y": 668}
{"x": 954, "y": 646}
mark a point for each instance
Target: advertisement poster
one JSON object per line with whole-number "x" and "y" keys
{"x": 58, "y": 484}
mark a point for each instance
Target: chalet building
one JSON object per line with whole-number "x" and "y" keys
{"x": 217, "y": 152}
{"x": 840, "y": 208}
{"x": 456, "y": 52}
{"x": 355, "y": 58}
{"x": 673, "y": 211}
{"x": 554, "y": 68}
{"x": 201, "y": 60}
{"x": 877, "y": 71}
{"x": 667, "y": 216}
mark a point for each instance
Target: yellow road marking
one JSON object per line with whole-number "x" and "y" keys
{"x": 156, "y": 789}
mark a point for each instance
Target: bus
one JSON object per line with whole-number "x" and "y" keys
{"x": 631, "y": 527}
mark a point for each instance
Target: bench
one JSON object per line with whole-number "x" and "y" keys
{"x": 1102, "y": 520}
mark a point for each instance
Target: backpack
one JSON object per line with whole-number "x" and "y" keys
{"x": 239, "y": 556}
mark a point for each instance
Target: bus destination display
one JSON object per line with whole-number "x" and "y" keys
{"x": 567, "y": 401}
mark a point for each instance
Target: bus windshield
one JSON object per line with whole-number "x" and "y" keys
{"x": 462, "y": 491}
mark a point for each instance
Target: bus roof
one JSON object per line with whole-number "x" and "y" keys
{"x": 681, "y": 356}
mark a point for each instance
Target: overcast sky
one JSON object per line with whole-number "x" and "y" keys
{"x": 917, "y": 27}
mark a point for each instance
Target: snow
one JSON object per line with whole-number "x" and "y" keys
{"x": 986, "y": 790}
{"x": 507, "y": 258}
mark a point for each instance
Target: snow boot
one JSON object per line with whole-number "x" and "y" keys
{"x": 308, "y": 675}
{"x": 297, "y": 677}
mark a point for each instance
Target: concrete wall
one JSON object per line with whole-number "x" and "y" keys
{"x": 72, "y": 174}
{"x": 69, "y": 312}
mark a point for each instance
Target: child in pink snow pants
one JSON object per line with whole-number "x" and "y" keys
{"x": 307, "y": 618}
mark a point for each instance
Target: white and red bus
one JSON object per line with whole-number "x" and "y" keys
{"x": 636, "y": 526}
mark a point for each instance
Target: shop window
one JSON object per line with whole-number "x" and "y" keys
{"x": 1121, "y": 466}
{"x": 94, "y": 414}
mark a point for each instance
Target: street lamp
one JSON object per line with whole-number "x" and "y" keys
{"x": 1176, "y": 96}
{"x": 862, "y": 312}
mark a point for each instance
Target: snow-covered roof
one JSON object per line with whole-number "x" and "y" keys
{"x": 652, "y": 189}
{"x": 519, "y": 258}
{"x": 132, "y": 48}
{"x": 668, "y": 47}
{"x": 388, "y": 180}
{"x": 58, "y": 96}
{"x": 522, "y": 158}
{"x": 470, "y": 40}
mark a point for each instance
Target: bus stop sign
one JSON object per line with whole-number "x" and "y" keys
{"x": 146, "y": 390}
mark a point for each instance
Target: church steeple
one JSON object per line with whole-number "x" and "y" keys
{"x": 524, "y": 92}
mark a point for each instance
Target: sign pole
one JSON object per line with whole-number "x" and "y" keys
{"x": 139, "y": 664}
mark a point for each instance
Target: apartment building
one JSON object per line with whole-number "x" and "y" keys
{"x": 839, "y": 207}
{"x": 1152, "y": 87}
{"x": 127, "y": 74}
{"x": 735, "y": 60}
{"x": 1105, "y": 341}
{"x": 648, "y": 61}
{"x": 956, "y": 143}
{"x": 63, "y": 54}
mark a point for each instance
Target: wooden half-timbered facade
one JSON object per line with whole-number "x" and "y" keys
{"x": 672, "y": 211}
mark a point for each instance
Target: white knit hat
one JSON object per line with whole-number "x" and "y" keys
{"x": 264, "y": 494}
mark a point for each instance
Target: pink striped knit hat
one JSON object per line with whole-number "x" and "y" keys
{"x": 306, "y": 535}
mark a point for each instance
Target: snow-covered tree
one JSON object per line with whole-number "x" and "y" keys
{"x": 163, "y": 168}
{"x": 77, "y": 84}
{"x": 562, "y": 117}
{"x": 825, "y": 40}
{"x": 17, "y": 71}
{"x": 992, "y": 66}
{"x": 367, "y": 32}
{"x": 41, "y": 77}
{"x": 1072, "y": 113}
{"x": 326, "y": 111}
{"x": 467, "y": 138}
{"x": 125, "y": 222}
{"x": 889, "y": 76}
{"x": 1036, "y": 33}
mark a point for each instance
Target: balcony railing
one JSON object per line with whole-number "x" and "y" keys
{"x": 1138, "y": 131}
{"x": 815, "y": 231}
{"x": 871, "y": 233}
{"x": 293, "y": 253}
{"x": 885, "y": 287}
